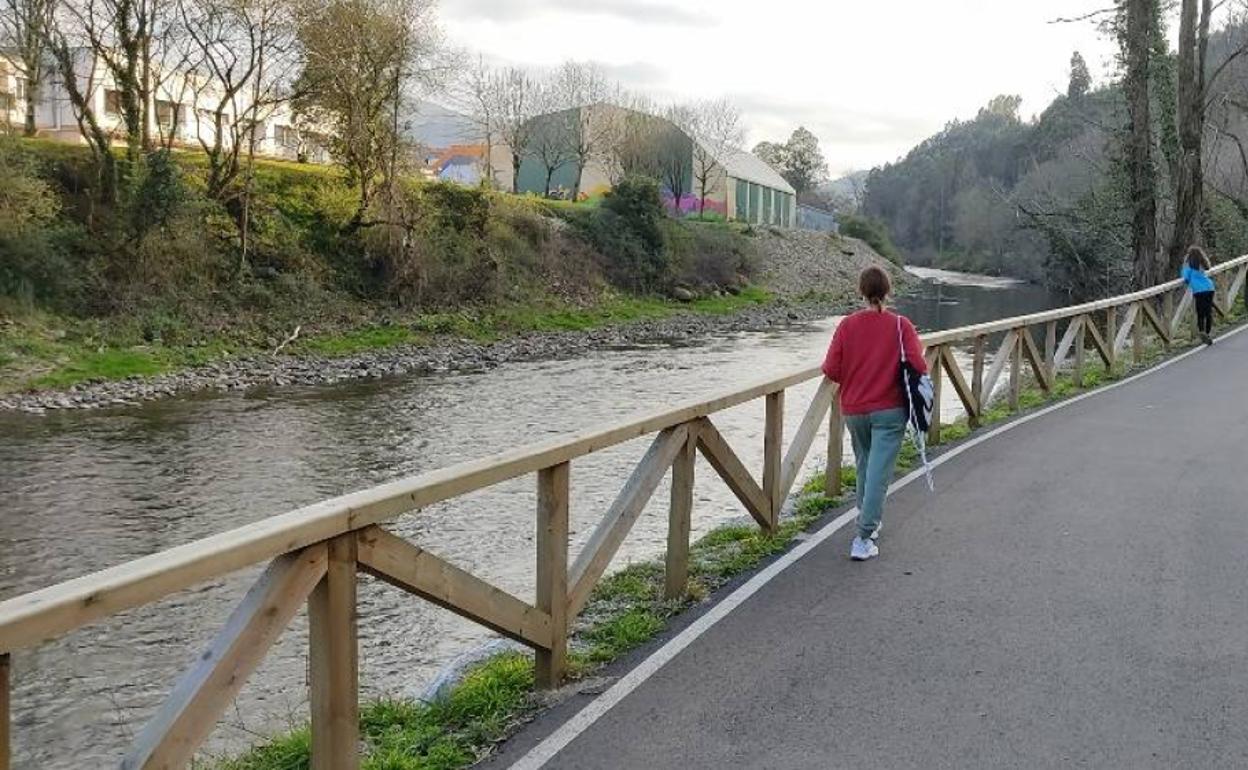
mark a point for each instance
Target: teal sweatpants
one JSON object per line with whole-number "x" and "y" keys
{"x": 877, "y": 441}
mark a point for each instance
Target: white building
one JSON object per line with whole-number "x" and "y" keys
{"x": 182, "y": 113}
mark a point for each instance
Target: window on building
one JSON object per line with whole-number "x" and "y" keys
{"x": 743, "y": 200}
{"x": 112, "y": 103}
{"x": 167, "y": 113}
{"x": 21, "y": 89}
{"x": 754, "y": 206}
{"x": 767, "y": 195}
{"x": 287, "y": 137}
{"x": 7, "y": 101}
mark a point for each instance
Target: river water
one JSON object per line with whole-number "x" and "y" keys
{"x": 82, "y": 491}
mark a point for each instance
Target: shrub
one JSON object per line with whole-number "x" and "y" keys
{"x": 35, "y": 247}
{"x": 627, "y": 230}
{"x": 709, "y": 255}
{"x": 873, "y": 232}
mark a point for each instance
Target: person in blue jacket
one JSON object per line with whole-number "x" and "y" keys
{"x": 1195, "y": 274}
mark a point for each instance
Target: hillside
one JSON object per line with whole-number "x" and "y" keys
{"x": 84, "y": 298}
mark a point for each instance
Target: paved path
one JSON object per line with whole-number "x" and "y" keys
{"x": 1075, "y": 594}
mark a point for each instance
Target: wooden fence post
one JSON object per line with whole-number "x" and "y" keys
{"x": 676, "y": 568}
{"x": 6, "y": 748}
{"x": 552, "y": 571}
{"x": 1111, "y": 334}
{"x": 836, "y": 449}
{"x": 1137, "y": 335}
{"x": 1080, "y": 343}
{"x": 977, "y": 370}
{"x": 1167, "y": 315}
{"x": 334, "y": 660}
{"x": 1016, "y": 370}
{"x": 1050, "y": 349}
{"x": 773, "y": 451}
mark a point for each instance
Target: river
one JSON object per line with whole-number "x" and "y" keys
{"x": 83, "y": 491}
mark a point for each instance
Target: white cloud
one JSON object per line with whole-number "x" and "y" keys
{"x": 870, "y": 79}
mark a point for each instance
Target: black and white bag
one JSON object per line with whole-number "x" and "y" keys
{"x": 920, "y": 397}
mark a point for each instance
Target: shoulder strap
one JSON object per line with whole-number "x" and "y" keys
{"x": 901, "y": 342}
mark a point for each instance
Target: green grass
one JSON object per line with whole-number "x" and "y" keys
{"x": 359, "y": 340}
{"x": 41, "y": 351}
{"x": 103, "y": 365}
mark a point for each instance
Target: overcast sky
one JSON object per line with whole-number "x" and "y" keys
{"x": 871, "y": 79}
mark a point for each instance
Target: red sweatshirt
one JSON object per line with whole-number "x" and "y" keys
{"x": 864, "y": 359}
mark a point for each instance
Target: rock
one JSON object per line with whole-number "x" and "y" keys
{"x": 683, "y": 294}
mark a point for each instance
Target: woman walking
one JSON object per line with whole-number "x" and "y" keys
{"x": 864, "y": 359}
{"x": 1195, "y": 275}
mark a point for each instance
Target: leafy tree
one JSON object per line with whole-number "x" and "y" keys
{"x": 774, "y": 155}
{"x": 804, "y": 161}
{"x": 361, "y": 59}
{"x": 799, "y": 160}
{"x": 1080, "y": 78}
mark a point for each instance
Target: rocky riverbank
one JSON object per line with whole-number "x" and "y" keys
{"x": 811, "y": 275}
{"x": 442, "y": 356}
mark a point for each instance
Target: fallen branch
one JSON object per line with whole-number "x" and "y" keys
{"x": 293, "y": 336}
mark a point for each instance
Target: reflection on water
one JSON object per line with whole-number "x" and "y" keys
{"x": 84, "y": 491}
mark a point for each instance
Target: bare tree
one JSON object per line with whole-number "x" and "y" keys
{"x": 80, "y": 86}
{"x": 634, "y": 130}
{"x": 716, "y": 129}
{"x": 24, "y": 28}
{"x": 583, "y": 87}
{"x": 673, "y": 151}
{"x": 553, "y": 132}
{"x": 516, "y": 100}
{"x": 242, "y": 62}
{"x": 131, "y": 40}
{"x": 475, "y": 94}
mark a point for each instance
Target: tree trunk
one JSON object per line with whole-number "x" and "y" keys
{"x": 1189, "y": 183}
{"x": 515, "y": 172}
{"x": 145, "y": 93}
{"x": 550, "y": 172}
{"x": 576, "y": 186}
{"x": 1139, "y": 143}
{"x": 32, "y": 95}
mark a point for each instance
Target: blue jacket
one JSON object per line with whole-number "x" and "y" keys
{"x": 1196, "y": 280}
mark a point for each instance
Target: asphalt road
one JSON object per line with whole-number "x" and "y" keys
{"x": 1075, "y": 594}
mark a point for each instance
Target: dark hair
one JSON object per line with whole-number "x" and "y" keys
{"x": 1197, "y": 259}
{"x": 874, "y": 285}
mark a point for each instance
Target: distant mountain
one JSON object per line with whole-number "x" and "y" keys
{"x": 436, "y": 126}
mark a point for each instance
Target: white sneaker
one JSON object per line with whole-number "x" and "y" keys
{"x": 876, "y": 534}
{"x": 863, "y": 550}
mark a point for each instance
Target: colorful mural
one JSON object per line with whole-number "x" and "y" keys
{"x": 690, "y": 204}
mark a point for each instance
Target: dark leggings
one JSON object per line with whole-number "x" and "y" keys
{"x": 1204, "y": 311}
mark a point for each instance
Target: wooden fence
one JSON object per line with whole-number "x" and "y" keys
{"x": 315, "y": 553}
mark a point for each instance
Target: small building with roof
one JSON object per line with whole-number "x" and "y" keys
{"x": 738, "y": 185}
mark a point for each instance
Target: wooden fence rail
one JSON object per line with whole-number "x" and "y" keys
{"x": 315, "y": 554}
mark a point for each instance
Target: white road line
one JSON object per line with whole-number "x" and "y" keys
{"x": 543, "y": 752}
